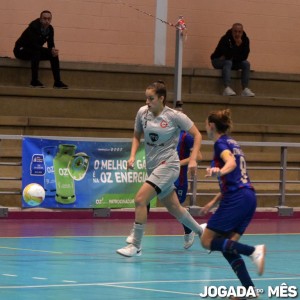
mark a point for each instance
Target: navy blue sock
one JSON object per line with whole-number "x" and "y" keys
{"x": 238, "y": 265}
{"x": 229, "y": 246}
{"x": 186, "y": 229}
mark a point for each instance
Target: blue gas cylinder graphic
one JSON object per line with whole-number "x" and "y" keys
{"x": 49, "y": 178}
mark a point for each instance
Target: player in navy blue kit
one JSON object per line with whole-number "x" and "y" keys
{"x": 237, "y": 200}
{"x": 184, "y": 148}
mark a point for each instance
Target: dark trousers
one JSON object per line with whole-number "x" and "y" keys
{"x": 35, "y": 56}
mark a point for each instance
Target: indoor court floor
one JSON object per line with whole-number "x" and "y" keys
{"x": 66, "y": 259}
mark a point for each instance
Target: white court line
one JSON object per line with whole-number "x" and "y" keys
{"x": 32, "y": 250}
{"x": 152, "y": 290}
{"x": 10, "y": 275}
{"x": 118, "y": 284}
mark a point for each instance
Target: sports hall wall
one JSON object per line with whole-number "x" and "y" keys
{"x": 123, "y": 31}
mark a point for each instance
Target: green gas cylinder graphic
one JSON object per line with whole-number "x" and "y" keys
{"x": 65, "y": 188}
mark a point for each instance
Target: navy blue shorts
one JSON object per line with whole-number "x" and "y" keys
{"x": 181, "y": 193}
{"x": 234, "y": 213}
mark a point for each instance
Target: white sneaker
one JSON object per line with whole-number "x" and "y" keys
{"x": 188, "y": 240}
{"x": 129, "y": 239}
{"x": 258, "y": 258}
{"x": 203, "y": 226}
{"x": 247, "y": 93}
{"x": 228, "y": 91}
{"x": 129, "y": 251}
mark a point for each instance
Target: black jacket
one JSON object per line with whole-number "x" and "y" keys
{"x": 228, "y": 48}
{"x": 33, "y": 37}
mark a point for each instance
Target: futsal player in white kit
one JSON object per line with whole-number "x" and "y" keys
{"x": 161, "y": 127}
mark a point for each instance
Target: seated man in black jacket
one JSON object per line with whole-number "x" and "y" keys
{"x": 231, "y": 54}
{"x": 30, "y": 47}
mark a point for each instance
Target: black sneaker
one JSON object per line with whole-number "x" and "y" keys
{"x": 36, "y": 84}
{"x": 60, "y": 85}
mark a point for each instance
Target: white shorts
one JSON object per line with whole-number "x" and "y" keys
{"x": 164, "y": 177}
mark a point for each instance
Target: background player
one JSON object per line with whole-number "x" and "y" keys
{"x": 184, "y": 148}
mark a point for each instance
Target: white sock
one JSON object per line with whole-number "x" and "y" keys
{"x": 138, "y": 232}
{"x": 190, "y": 222}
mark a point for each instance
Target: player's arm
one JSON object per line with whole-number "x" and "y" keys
{"x": 211, "y": 204}
{"x": 229, "y": 160}
{"x": 136, "y": 140}
{"x": 186, "y": 161}
{"x": 196, "y": 148}
{"x": 230, "y": 164}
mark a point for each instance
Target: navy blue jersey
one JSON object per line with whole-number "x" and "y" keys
{"x": 184, "y": 147}
{"x": 238, "y": 178}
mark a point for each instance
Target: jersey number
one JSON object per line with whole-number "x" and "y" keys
{"x": 243, "y": 169}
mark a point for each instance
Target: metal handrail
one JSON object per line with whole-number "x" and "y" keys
{"x": 10, "y": 178}
{"x": 10, "y": 164}
{"x": 282, "y": 168}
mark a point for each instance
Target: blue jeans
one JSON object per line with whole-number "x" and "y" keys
{"x": 227, "y": 65}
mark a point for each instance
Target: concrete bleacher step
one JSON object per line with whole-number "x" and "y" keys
{"x": 12, "y": 151}
{"x": 116, "y": 91}
{"x": 122, "y": 77}
{"x": 103, "y": 100}
{"x": 23, "y": 101}
{"x": 65, "y": 127}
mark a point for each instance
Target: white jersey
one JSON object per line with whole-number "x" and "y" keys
{"x": 161, "y": 134}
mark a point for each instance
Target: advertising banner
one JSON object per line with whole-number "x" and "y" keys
{"x": 80, "y": 174}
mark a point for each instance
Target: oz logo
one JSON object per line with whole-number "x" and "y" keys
{"x": 63, "y": 171}
{"x": 153, "y": 137}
